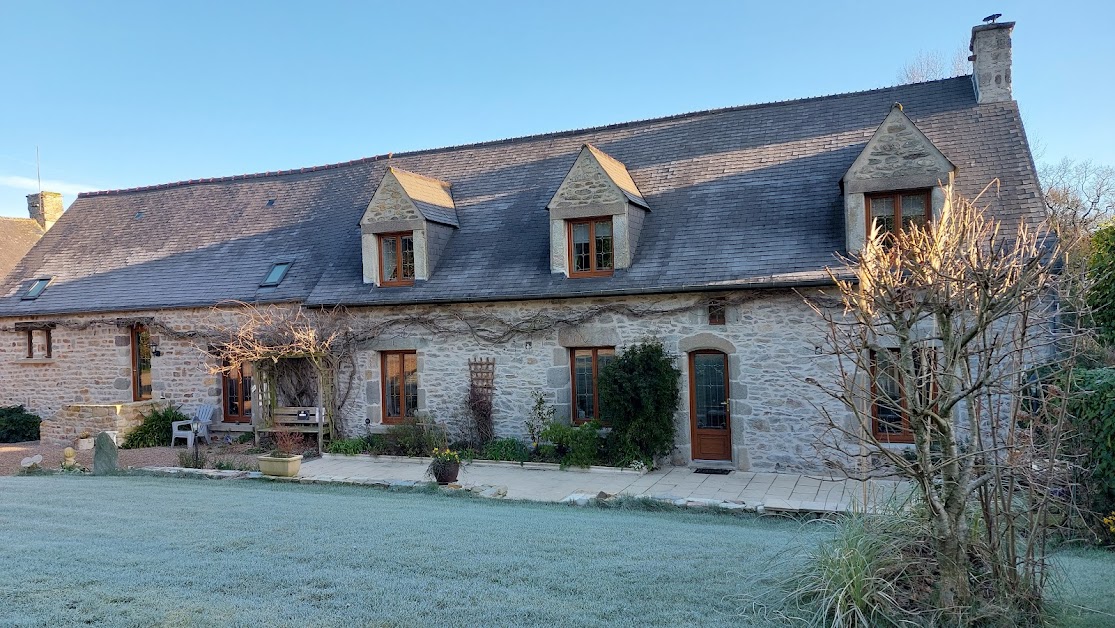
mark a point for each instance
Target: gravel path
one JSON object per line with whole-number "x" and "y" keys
{"x": 12, "y": 453}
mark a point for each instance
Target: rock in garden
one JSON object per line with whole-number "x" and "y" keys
{"x": 104, "y": 455}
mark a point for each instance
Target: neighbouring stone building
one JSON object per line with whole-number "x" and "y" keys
{"x": 18, "y": 235}
{"x": 542, "y": 255}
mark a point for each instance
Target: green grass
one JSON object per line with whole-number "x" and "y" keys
{"x": 140, "y": 551}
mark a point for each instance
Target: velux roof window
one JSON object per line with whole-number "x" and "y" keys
{"x": 276, "y": 274}
{"x": 36, "y": 288}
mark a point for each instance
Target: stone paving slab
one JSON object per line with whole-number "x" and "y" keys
{"x": 736, "y": 490}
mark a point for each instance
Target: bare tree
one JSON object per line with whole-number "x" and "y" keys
{"x": 930, "y": 66}
{"x": 1079, "y": 195}
{"x": 941, "y": 333}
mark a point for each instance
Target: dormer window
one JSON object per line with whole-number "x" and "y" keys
{"x": 396, "y": 259}
{"x": 276, "y": 275}
{"x": 896, "y": 211}
{"x": 590, "y": 247}
{"x": 406, "y": 228}
{"x": 36, "y": 289}
{"x": 596, "y": 216}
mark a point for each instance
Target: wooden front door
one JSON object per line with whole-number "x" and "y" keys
{"x": 709, "y": 420}
{"x": 238, "y": 394}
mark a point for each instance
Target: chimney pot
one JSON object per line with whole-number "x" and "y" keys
{"x": 991, "y": 61}
{"x": 45, "y": 208}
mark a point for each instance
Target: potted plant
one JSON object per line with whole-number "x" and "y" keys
{"x": 283, "y": 460}
{"x": 84, "y": 441}
{"x": 445, "y": 466}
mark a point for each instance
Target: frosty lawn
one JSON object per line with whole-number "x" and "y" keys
{"x": 143, "y": 551}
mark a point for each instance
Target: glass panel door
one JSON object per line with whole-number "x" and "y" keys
{"x": 710, "y": 402}
{"x": 710, "y": 420}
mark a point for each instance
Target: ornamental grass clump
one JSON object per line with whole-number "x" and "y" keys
{"x": 862, "y": 577}
{"x": 154, "y": 431}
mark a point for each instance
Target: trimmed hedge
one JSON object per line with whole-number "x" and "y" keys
{"x": 1094, "y": 413}
{"x": 18, "y": 425}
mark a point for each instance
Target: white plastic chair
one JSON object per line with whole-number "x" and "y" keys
{"x": 205, "y": 418}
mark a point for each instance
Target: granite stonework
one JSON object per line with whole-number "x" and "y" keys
{"x": 772, "y": 338}
{"x": 773, "y": 344}
{"x": 64, "y": 427}
{"x": 87, "y": 381}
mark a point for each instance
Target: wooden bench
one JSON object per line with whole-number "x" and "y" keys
{"x": 304, "y": 420}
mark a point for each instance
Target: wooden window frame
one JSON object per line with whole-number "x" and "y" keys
{"x": 135, "y": 330}
{"x": 383, "y": 356}
{"x": 28, "y": 330}
{"x": 906, "y": 435}
{"x": 576, "y": 420}
{"x": 717, "y": 312}
{"x": 398, "y": 235}
{"x": 591, "y": 222}
{"x": 896, "y": 199}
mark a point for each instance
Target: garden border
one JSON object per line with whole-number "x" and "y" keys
{"x": 535, "y": 466}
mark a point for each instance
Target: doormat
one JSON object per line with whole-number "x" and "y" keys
{"x": 713, "y": 471}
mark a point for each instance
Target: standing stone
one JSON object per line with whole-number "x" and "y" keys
{"x": 104, "y": 455}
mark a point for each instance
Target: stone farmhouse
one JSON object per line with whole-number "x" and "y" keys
{"x": 702, "y": 229}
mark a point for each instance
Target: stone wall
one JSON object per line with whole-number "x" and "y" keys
{"x": 91, "y": 363}
{"x": 63, "y": 428}
{"x": 773, "y": 344}
{"x": 772, "y": 339}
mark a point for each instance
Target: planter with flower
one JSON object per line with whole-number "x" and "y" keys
{"x": 445, "y": 466}
{"x": 283, "y": 460}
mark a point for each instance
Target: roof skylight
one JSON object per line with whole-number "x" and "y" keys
{"x": 36, "y": 288}
{"x": 276, "y": 275}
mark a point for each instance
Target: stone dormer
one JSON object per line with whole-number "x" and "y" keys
{"x": 597, "y": 186}
{"x": 407, "y": 206}
{"x": 897, "y": 158}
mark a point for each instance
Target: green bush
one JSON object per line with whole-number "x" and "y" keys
{"x": 511, "y": 449}
{"x": 1093, "y": 411}
{"x": 155, "y": 429}
{"x": 579, "y": 446}
{"x": 1101, "y": 297}
{"x": 347, "y": 446}
{"x": 638, "y": 398}
{"x": 413, "y": 438}
{"x": 18, "y": 425}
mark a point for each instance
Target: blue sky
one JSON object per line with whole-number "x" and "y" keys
{"x": 124, "y": 94}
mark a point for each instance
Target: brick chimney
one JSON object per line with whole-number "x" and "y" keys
{"x": 45, "y": 208}
{"x": 991, "y": 62}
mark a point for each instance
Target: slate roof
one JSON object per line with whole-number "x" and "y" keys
{"x": 17, "y": 236}
{"x": 743, "y": 196}
{"x": 619, "y": 175}
{"x": 432, "y": 197}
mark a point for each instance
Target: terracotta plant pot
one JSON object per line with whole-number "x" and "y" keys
{"x": 447, "y": 472}
{"x": 284, "y": 467}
